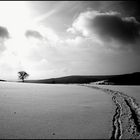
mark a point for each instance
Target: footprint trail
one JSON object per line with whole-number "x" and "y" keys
{"x": 126, "y": 120}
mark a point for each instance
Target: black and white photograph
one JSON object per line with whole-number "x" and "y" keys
{"x": 69, "y": 70}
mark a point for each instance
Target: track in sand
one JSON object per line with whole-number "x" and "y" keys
{"x": 126, "y": 120}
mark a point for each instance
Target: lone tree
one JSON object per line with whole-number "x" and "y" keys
{"x": 22, "y": 75}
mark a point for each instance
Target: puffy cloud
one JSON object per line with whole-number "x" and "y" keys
{"x": 131, "y": 8}
{"x": 108, "y": 27}
{"x": 4, "y": 34}
{"x": 33, "y": 33}
{"x": 44, "y": 34}
{"x": 71, "y": 30}
{"x": 113, "y": 26}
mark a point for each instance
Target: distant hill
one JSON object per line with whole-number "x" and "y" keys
{"x": 124, "y": 79}
{"x": 2, "y": 80}
{"x": 70, "y": 79}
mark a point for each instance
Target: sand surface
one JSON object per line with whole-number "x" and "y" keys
{"x": 126, "y": 119}
{"x": 133, "y": 91}
{"x": 54, "y": 111}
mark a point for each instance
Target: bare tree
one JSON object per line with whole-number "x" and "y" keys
{"x": 22, "y": 75}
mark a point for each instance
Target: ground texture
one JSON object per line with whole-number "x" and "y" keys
{"x": 126, "y": 120}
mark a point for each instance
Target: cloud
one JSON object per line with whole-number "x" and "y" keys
{"x": 33, "y": 33}
{"x": 108, "y": 26}
{"x": 113, "y": 26}
{"x": 131, "y": 8}
{"x": 4, "y": 34}
{"x": 46, "y": 15}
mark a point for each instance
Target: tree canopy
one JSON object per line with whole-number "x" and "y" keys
{"x": 22, "y": 75}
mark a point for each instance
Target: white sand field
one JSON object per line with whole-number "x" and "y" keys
{"x": 133, "y": 91}
{"x": 126, "y": 119}
{"x": 54, "y": 111}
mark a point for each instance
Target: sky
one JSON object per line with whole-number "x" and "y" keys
{"x": 59, "y": 38}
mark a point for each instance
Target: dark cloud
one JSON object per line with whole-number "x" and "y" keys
{"x": 4, "y": 34}
{"x": 113, "y": 26}
{"x": 131, "y": 8}
{"x": 33, "y": 33}
{"x": 126, "y": 8}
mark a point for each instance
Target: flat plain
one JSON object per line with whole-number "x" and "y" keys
{"x": 54, "y": 111}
